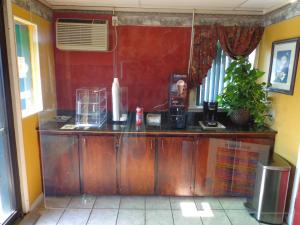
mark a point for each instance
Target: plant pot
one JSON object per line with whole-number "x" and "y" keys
{"x": 240, "y": 116}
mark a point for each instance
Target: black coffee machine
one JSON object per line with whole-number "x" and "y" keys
{"x": 177, "y": 101}
{"x": 210, "y": 110}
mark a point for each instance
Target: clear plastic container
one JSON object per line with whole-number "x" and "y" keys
{"x": 91, "y": 107}
{"x": 123, "y": 104}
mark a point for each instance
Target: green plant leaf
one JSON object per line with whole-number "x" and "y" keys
{"x": 244, "y": 91}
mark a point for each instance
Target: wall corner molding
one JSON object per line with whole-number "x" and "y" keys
{"x": 284, "y": 13}
{"x": 174, "y": 19}
{"x": 137, "y": 18}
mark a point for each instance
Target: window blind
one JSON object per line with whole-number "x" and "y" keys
{"x": 213, "y": 84}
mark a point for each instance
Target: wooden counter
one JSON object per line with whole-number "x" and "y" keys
{"x": 152, "y": 161}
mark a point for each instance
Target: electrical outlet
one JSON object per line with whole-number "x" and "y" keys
{"x": 114, "y": 20}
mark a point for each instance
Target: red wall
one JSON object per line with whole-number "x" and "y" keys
{"x": 146, "y": 57}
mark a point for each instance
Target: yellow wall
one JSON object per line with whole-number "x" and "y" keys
{"x": 286, "y": 108}
{"x": 31, "y": 144}
{"x": 32, "y": 155}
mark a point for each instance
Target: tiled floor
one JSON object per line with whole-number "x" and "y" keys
{"x": 137, "y": 210}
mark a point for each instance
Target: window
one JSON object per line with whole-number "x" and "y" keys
{"x": 213, "y": 84}
{"x": 28, "y": 67}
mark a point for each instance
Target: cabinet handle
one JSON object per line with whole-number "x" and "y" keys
{"x": 83, "y": 143}
{"x": 117, "y": 143}
{"x": 151, "y": 144}
{"x": 162, "y": 143}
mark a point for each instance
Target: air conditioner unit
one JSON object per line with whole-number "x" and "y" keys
{"x": 82, "y": 35}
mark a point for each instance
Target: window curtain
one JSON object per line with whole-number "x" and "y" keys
{"x": 239, "y": 41}
{"x": 234, "y": 40}
{"x": 204, "y": 52}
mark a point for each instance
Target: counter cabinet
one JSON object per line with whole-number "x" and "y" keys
{"x": 98, "y": 160}
{"x": 136, "y": 165}
{"x": 175, "y": 166}
{"x": 152, "y": 165}
{"x": 60, "y": 164}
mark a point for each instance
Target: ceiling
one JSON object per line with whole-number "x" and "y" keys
{"x": 258, "y": 7}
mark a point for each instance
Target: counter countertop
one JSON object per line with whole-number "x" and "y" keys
{"x": 130, "y": 128}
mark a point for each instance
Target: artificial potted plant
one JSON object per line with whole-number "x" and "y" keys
{"x": 244, "y": 97}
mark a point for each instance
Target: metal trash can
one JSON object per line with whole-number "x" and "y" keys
{"x": 268, "y": 202}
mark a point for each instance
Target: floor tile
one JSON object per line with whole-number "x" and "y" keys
{"x": 103, "y": 217}
{"x": 57, "y": 202}
{"x": 218, "y": 217}
{"x": 181, "y": 219}
{"x": 158, "y": 202}
{"x": 284, "y": 223}
{"x": 132, "y": 202}
{"x": 159, "y": 217}
{"x": 213, "y": 203}
{"x": 131, "y": 217}
{"x": 179, "y": 202}
{"x": 82, "y": 202}
{"x": 107, "y": 202}
{"x": 238, "y": 217}
{"x": 139, "y": 210}
{"x": 74, "y": 217}
{"x": 49, "y": 216}
{"x": 189, "y": 209}
{"x": 232, "y": 203}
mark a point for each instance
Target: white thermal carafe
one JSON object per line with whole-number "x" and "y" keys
{"x": 115, "y": 92}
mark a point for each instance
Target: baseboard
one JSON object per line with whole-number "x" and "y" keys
{"x": 38, "y": 201}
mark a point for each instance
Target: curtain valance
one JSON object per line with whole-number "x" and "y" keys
{"x": 239, "y": 41}
{"x": 234, "y": 40}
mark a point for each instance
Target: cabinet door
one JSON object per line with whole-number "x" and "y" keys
{"x": 60, "y": 162}
{"x": 227, "y": 167}
{"x": 137, "y": 156}
{"x": 214, "y": 161}
{"x": 202, "y": 180}
{"x": 248, "y": 152}
{"x": 98, "y": 158}
{"x": 175, "y": 166}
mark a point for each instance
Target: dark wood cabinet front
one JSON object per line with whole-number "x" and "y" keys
{"x": 214, "y": 163}
{"x": 175, "y": 166}
{"x": 248, "y": 153}
{"x": 202, "y": 181}
{"x": 60, "y": 162}
{"x": 227, "y": 167}
{"x": 136, "y": 170}
{"x": 98, "y": 159}
{"x": 208, "y": 165}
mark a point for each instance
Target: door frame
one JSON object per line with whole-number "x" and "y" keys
{"x": 10, "y": 120}
{"x": 295, "y": 192}
{"x": 16, "y": 102}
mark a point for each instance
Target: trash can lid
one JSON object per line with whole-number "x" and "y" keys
{"x": 277, "y": 163}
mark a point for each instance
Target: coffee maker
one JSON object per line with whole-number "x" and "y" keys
{"x": 210, "y": 110}
{"x": 177, "y": 101}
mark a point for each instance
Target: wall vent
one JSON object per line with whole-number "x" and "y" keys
{"x": 82, "y": 35}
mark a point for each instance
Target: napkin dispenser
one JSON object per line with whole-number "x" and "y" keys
{"x": 153, "y": 119}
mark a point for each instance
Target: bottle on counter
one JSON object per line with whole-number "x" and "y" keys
{"x": 115, "y": 92}
{"x": 139, "y": 116}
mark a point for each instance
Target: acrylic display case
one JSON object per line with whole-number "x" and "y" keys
{"x": 91, "y": 107}
{"x": 123, "y": 104}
